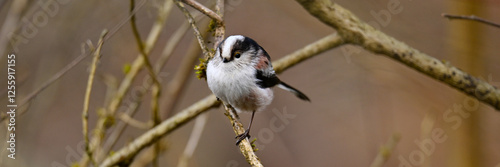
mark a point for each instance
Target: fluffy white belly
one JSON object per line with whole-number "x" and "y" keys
{"x": 239, "y": 89}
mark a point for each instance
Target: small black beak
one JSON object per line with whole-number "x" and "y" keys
{"x": 224, "y": 60}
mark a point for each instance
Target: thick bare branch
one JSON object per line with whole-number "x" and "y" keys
{"x": 354, "y": 31}
{"x": 320, "y": 46}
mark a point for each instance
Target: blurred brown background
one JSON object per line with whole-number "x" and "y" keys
{"x": 359, "y": 100}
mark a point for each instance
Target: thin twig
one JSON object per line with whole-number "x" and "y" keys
{"x": 153, "y": 135}
{"x": 245, "y": 146}
{"x": 191, "y": 112}
{"x": 194, "y": 139}
{"x": 197, "y": 33}
{"x": 156, "y": 84}
{"x": 220, "y": 28}
{"x": 386, "y": 150}
{"x": 471, "y": 17}
{"x": 68, "y": 67}
{"x": 10, "y": 23}
{"x": 172, "y": 43}
{"x": 86, "y": 101}
{"x": 176, "y": 86}
{"x": 120, "y": 127}
{"x": 156, "y": 90}
{"x": 133, "y": 106}
{"x": 354, "y": 31}
{"x": 133, "y": 122}
{"x": 203, "y": 10}
{"x": 124, "y": 87}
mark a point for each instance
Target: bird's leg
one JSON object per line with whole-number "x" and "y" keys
{"x": 245, "y": 134}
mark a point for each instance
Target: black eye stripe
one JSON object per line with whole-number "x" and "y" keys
{"x": 241, "y": 46}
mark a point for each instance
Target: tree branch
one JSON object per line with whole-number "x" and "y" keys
{"x": 139, "y": 62}
{"x": 153, "y": 135}
{"x": 471, "y": 17}
{"x": 326, "y": 43}
{"x": 197, "y": 32}
{"x": 156, "y": 90}
{"x": 86, "y": 101}
{"x": 245, "y": 146}
{"x": 203, "y": 10}
{"x": 354, "y": 31}
{"x": 220, "y": 28}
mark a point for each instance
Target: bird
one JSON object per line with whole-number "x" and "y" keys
{"x": 241, "y": 75}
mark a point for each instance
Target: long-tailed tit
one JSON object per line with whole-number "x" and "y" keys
{"x": 242, "y": 75}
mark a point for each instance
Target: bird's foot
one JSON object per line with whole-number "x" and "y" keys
{"x": 242, "y": 136}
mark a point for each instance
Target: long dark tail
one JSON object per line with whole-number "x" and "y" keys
{"x": 297, "y": 93}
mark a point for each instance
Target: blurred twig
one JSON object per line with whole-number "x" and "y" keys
{"x": 133, "y": 122}
{"x": 153, "y": 135}
{"x": 120, "y": 127}
{"x": 194, "y": 139}
{"x": 133, "y": 106}
{"x": 156, "y": 89}
{"x": 176, "y": 86}
{"x": 10, "y": 23}
{"x": 172, "y": 44}
{"x": 86, "y": 101}
{"x": 105, "y": 117}
{"x": 68, "y": 67}
{"x": 426, "y": 128}
{"x": 191, "y": 112}
{"x": 386, "y": 150}
{"x": 354, "y": 31}
{"x": 197, "y": 33}
{"x": 471, "y": 17}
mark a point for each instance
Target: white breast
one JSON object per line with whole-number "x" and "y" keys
{"x": 237, "y": 87}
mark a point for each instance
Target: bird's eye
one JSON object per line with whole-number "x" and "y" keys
{"x": 237, "y": 54}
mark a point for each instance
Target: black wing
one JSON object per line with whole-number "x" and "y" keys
{"x": 266, "y": 78}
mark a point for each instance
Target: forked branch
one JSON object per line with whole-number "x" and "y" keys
{"x": 354, "y": 31}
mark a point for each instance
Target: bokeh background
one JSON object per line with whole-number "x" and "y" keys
{"x": 359, "y": 99}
